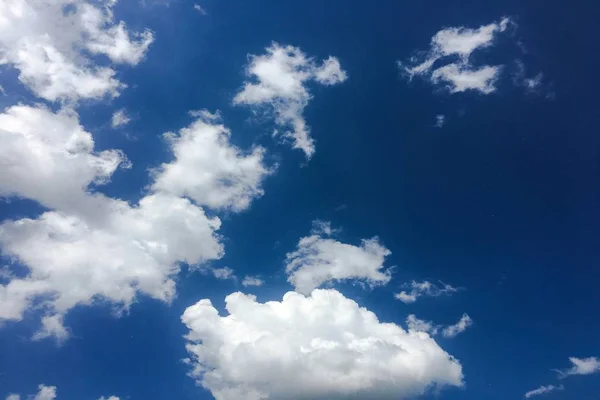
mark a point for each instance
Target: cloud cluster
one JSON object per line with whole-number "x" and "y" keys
{"x": 48, "y": 393}
{"x": 425, "y": 288}
{"x": 89, "y": 246}
{"x": 322, "y": 346}
{"x": 450, "y": 331}
{"x": 459, "y": 75}
{"x": 278, "y": 79}
{"x": 319, "y": 259}
{"x": 49, "y": 43}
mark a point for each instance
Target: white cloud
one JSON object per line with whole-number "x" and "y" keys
{"x": 209, "y": 169}
{"x": 278, "y": 79}
{"x": 223, "y": 273}
{"x": 543, "y": 390}
{"x": 581, "y": 366}
{"x": 47, "y": 43}
{"x": 323, "y": 346}
{"x": 460, "y": 75}
{"x": 48, "y": 157}
{"x": 318, "y": 260}
{"x": 52, "y": 326}
{"x": 425, "y": 288}
{"x": 49, "y": 393}
{"x": 199, "y": 8}
{"x": 13, "y": 397}
{"x": 252, "y": 281}
{"x": 419, "y": 325}
{"x": 109, "y": 398}
{"x": 119, "y": 118}
{"x": 461, "y": 326}
{"x": 440, "y": 120}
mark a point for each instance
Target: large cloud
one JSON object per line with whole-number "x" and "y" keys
{"x": 278, "y": 79}
{"x": 322, "y": 346}
{"x": 208, "y": 169}
{"x": 47, "y": 41}
{"x": 461, "y": 75}
{"x": 90, "y": 246}
{"x": 319, "y": 259}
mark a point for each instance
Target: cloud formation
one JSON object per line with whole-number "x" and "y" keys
{"x": 581, "y": 366}
{"x": 543, "y": 390}
{"x": 89, "y": 246}
{"x": 119, "y": 118}
{"x": 49, "y": 43}
{"x": 425, "y": 288}
{"x": 48, "y": 393}
{"x": 278, "y": 80}
{"x": 322, "y": 346}
{"x": 319, "y": 259}
{"x": 450, "y": 331}
{"x": 461, "y": 326}
{"x": 458, "y": 43}
{"x": 252, "y": 281}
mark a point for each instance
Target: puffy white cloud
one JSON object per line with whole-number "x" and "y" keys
{"x": 45, "y": 393}
{"x": 425, "y": 288}
{"x": 543, "y": 390}
{"x": 223, "y": 273}
{"x": 47, "y": 42}
{"x": 209, "y": 169}
{"x": 52, "y": 326}
{"x": 461, "y": 326}
{"x": 48, "y": 157}
{"x": 319, "y": 259}
{"x": 252, "y": 281}
{"x": 461, "y": 75}
{"x": 581, "y": 366}
{"x": 322, "y": 346}
{"x": 419, "y": 325}
{"x": 119, "y": 118}
{"x": 278, "y": 79}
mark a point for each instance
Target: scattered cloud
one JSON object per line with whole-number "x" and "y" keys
{"x": 48, "y": 393}
{"x": 425, "y": 288}
{"x": 52, "y": 326}
{"x": 208, "y": 169}
{"x": 532, "y": 84}
{"x": 252, "y": 281}
{"x": 199, "y": 8}
{"x": 440, "y": 121}
{"x": 223, "y": 273}
{"x": 322, "y": 346}
{"x": 461, "y": 326}
{"x": 581, "y": 366}
{"x": 278, "y": 80}
{"x": 49, "y": 47}
{"x": 543, "y": 390}
{"x": 458, "y": 43}
{"x": 319, "y": 260}
{"x": 120, "y": 118}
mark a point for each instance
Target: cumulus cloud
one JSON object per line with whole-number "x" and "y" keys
{"x": 48, "y": 393}
{"x": 543, "y": 390}
{"x": 252, "y": 281}
{"x": 461, "y": 326}
{"x": 319, "y": 259}
{"x": 458, "y": 43}
{"x": 48, "y": 42}
{"x": 119, "y": 118}
{"x": 425, "y": 288}
{"x": 88, "y": 246}
{"x": 223, "y": 273}
{"x": 278, "y": 79}
{"x": 322, "y": 346}
{"x": 581, "y": 366}
{"x": 210, "y": 170}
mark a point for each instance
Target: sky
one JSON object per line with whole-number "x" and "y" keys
{"x": 299, "y": 200}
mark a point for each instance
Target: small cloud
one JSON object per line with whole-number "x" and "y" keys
{"x": 581, "y": 366}
{"x": 120, "y": 118}
{"x": 425, "y": 288}
{"x": 440, "y": 120}
{"x": 223, "y": 273}
{"x": 52, "y": 326}
{"x": 252, "y": 281}
{"x": 461, "y": 326}
{"x": 543, "y": 390}
{"x": 199, "y": 8}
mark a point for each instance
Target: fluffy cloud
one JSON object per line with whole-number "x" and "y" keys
{"x": 47, "y": 41}
{"x": 252, "y": 281}
{"x": 425, "y": 288}
{"x": 48, "y": 157}
{"x": 460, "y": 43}
{"x": 210, "y": 170}
{"x": 278, "y": 79}
{"x": 88, "y": 246}
{"x": 319, "y": 259}
{"x": 543, "y": 390}
{"x": 581, "y": 366}
{"x": 49, "y": 393}
{"x": 461, "y": 326}
{"x": 119, "y": 118}
{"x": 322, "y": 346}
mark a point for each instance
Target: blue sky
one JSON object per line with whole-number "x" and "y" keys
{"x": 410, "y": 191}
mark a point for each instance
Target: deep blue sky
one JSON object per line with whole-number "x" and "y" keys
{"x": 502, "y": 201}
